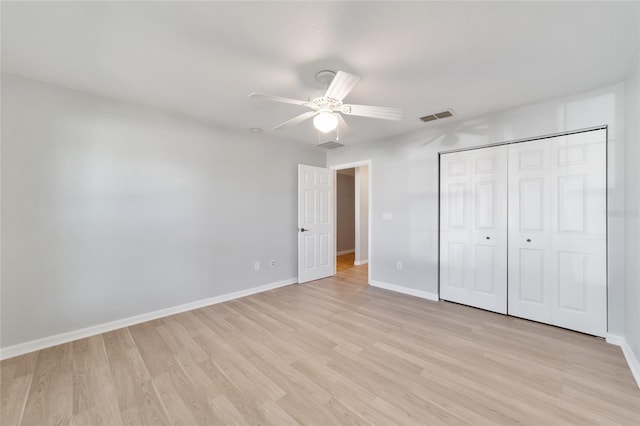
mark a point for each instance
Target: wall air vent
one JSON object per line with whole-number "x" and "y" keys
{"x": 329, "y": 145}
{"x": 437, "y": 116}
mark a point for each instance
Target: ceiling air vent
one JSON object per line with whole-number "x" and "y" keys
{"x": 437, "y": 116}
{"x": 427, "y": 118}
{"x": 329, "y": 145}
{"x": 444, "y": 114}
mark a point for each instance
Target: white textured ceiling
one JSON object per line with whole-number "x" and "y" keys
{"x": 203, "y": 58}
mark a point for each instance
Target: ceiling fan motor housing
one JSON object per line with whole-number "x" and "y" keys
{"x": 325, "y": 77}
{"x": 316, "y": 94}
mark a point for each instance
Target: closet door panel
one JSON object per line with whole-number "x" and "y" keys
{"x": 473, "y": 228}
{"x": 579, "y": 197}
{"x": 530, "y": 287}
{"x": 455, "y": 227}
{"x": 489, "y": 230}
{"x": 557, "y": 231}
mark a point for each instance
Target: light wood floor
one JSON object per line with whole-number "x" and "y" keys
{"x": 334, "y": 351}
{"x": 345, "y": 261}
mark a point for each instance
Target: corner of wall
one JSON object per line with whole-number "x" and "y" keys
{"x": 631, "y": 216}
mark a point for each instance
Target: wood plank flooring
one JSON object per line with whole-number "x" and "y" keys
{"x": 334, "y": 351}
{"x": 345, "y": 261}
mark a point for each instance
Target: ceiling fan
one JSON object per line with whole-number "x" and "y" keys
{"x": 327, "y": 106}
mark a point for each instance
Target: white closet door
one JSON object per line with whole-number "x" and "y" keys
{"x": 473, "y": 237}
{"x": 557, "y": 231}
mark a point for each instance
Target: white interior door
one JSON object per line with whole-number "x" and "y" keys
{"x": 473, "y": 231}
{"x": 557, "y": 231}
{"x": 316, "y": 239}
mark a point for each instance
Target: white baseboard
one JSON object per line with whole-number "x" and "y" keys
{"x": 340, "y": 253}
{"x": 361, "y": 262}
{"x": 58, "y": 339}
{"x": 632, "y": 360}
{"x": 615, "y": 339}
{"x": 404, "y": 290}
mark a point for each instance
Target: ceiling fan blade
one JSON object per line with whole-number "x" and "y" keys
{"x": 295, "y": 120}
{"x": 343, "y": 127}
{"x": 341, "y": 85}
{"x": 386, "y": 113}
{"x": 278, "y": 99}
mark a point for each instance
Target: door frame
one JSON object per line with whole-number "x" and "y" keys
{"x": 351, "y": 165}
{"x": 534, "y": 138}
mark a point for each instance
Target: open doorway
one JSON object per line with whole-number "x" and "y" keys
{"x": 345, "y": 219}
{"x": 352, "y": 220}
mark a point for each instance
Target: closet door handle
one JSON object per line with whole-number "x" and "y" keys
{"x": 528, "y": 240}
{"x": 488, "y": 238}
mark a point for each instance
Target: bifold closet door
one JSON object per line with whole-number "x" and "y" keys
{"x": 473, "y": 231}
{"x": 557, "y": 231}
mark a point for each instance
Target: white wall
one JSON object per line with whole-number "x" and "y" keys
{"x": 404, "y": 181}
{"x": 111, "y": 210}
{"x": 345, "y": 215}
{"x": 362, "y": 212}
{"x": 632, "y": 214}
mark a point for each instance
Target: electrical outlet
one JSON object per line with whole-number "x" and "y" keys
{"x": 272, "y": 263}
{"x": 256, "y": 266}
{"x": 399, "y": 265}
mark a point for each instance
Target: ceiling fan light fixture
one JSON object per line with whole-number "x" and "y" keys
{"x": 326, "y": 106}
{"x": 325, "y": 122}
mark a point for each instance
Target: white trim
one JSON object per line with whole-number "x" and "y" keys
{"x": 351, "y": 165}
{"x": 405, "y": 290}
{"x": 632, "y": 361}
{"x": 614, "y": 339}
{"x": 356, "y": 221}
{"x": 634, "y": 365}
{"x": 340, "y": 253}
{"x": 361, "y": 262}
{"x": 69, "y": 336}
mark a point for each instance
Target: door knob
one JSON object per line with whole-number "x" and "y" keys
{"x": 528, "y": 240}
{"x": 303, "y": 230}
{"x": 488, "y": 238}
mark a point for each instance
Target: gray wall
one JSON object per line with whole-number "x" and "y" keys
{"x": 632, "y": 213}
{"x": 404, "y": 182}
{"x": 111, "y": 210}
{"x": 346, "y": 212}
{"x": 362, "y": 234}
